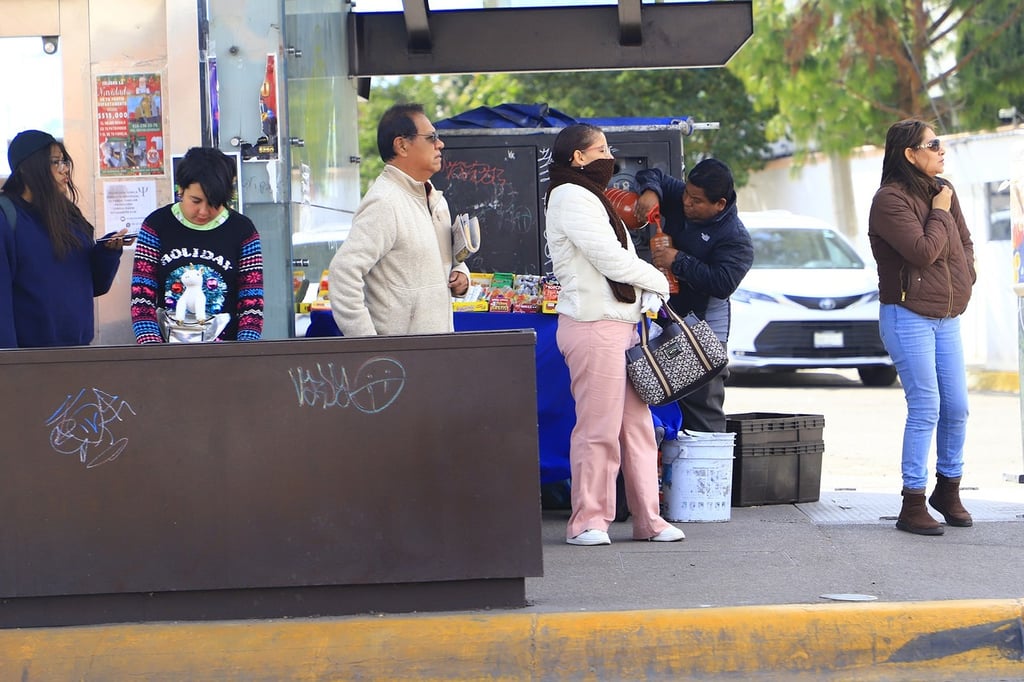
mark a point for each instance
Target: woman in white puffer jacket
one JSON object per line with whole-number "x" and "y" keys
{"x": 604, "y": 287}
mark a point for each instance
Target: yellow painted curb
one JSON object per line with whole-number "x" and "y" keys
{"x": 868, "y": 641}
{"x": 1001, "y": 382}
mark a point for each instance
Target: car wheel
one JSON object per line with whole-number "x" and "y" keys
{"x": 877, "y": 375}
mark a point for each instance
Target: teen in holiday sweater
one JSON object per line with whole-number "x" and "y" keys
{"x": 197, "y": 259}
{"x": 50, "y": 267}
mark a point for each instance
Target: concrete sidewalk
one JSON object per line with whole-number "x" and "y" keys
{"x": 845, "y": 543}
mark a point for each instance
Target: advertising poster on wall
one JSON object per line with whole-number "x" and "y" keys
{"x": 269, "y": 143}
{"x": 129, "y": 116}
{"x": 1016, "y": 186}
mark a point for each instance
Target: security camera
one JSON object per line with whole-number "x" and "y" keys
{"x": 50, "y": 44}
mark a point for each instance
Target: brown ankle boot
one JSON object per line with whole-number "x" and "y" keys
{"x": 914, "y": 516}
{"x": 945, "y": 499}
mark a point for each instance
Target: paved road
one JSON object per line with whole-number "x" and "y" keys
{"x": 864, "y": 428}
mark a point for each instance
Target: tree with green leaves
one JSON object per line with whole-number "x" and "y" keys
{"x": 705, "y": 95}
{"x": 712, "y": 95}
{"x": 840, "y": 72}
{"x": 385, "y": 93}
{"x": 991, "y": 47}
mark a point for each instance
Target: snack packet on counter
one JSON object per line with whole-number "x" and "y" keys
{"x": 527, "y": 296}
{"x": 549, "y": 293}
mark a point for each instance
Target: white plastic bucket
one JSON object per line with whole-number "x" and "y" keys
{"x": 696, "y": 477}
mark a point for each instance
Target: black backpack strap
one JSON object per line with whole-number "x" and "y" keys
{"x": 11, "y": 213}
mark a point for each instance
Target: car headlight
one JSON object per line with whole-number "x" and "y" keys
{"x": 748, "y": 296}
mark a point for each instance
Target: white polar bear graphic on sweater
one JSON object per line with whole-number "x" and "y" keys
{"x": 192, "y": 299}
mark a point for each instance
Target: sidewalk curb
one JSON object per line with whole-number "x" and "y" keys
{"x": 1000, "y": 382}
{"x": 873, "y": 640}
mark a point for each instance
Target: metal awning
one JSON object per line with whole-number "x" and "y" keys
{"x": 630, "y": 35}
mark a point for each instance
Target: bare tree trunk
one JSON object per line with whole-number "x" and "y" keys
{"x": 842, "y": 195}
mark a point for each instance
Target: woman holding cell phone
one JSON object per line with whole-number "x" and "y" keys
{"x": 51, "y": 267}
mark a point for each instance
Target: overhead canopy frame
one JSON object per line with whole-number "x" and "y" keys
{"x": 627, "y": 36}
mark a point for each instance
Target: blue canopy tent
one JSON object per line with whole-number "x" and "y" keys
{"x": 507, "y": 116}
{"x": 540, "y": 115}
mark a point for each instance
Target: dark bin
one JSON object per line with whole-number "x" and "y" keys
{"x": 777, "y": 457}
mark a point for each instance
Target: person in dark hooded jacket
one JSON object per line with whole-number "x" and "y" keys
{"x": 710, "y": 254}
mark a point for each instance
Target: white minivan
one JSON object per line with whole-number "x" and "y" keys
{"x": 809, "y": 301}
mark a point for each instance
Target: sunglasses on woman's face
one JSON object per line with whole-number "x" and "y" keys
{"x": 931, "y": 145}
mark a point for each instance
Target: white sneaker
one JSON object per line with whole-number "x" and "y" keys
{"x": 670, "y": 534}
{"x": 591, "y": 537}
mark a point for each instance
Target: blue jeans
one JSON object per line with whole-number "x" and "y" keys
{"x": 929, "y": 358}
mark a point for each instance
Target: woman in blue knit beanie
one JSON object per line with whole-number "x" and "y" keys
{"x": 51, "y": 268}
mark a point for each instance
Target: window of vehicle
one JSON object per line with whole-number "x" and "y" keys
{"x": 807, "y": 249}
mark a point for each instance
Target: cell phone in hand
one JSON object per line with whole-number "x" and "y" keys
{"x": 126, "y": 239}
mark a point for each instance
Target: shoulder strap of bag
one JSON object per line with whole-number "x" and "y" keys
{"x": 672, "y": 314}
{"x": 644, "y": 324}
{"x": 642, "y": 327}
{"x": 686, "y": 325}
{"x": 11, "y": 213}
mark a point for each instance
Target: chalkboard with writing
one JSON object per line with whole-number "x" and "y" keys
{"x": 501, "y": 176}
{"x": 499, "y": 185}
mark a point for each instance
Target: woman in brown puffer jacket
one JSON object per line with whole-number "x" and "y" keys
{"x": 925, "y": 259}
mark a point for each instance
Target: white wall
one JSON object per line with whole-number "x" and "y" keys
{"x": 972, "y": 161}
{"x": 45, "y": 109}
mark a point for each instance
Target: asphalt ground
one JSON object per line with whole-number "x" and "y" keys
{"x": 823, "y": 590}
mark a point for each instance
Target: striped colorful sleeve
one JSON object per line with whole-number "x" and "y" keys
{"x": 250, "y": 290}
{"x": 145, "y": 287}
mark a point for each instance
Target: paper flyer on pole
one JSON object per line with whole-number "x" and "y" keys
{"x": 126, "y": 204}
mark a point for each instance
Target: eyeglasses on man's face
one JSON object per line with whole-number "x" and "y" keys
{"x": 933, "y": 145}
{"x": 432, "y": 138}
{"x": 60, "y": 164}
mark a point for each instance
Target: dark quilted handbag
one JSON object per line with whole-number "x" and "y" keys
{"x": 684, "y": 357}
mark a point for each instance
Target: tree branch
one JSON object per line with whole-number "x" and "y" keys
{"x": 964, "y": 14}
{"x": 982, "y": 45}
{"x": 881, "y": 106}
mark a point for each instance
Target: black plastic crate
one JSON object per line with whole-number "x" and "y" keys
{"x": 756, "y": 428}
{"x": 777, "y": 457}
{"x": 777, "y": 474}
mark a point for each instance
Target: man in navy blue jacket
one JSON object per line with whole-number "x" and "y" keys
{"x": 710, "y": 254}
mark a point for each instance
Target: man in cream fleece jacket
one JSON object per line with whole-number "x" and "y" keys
{"x": 395, "y": 274}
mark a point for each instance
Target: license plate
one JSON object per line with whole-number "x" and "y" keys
{"x": 828, "y": 339}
